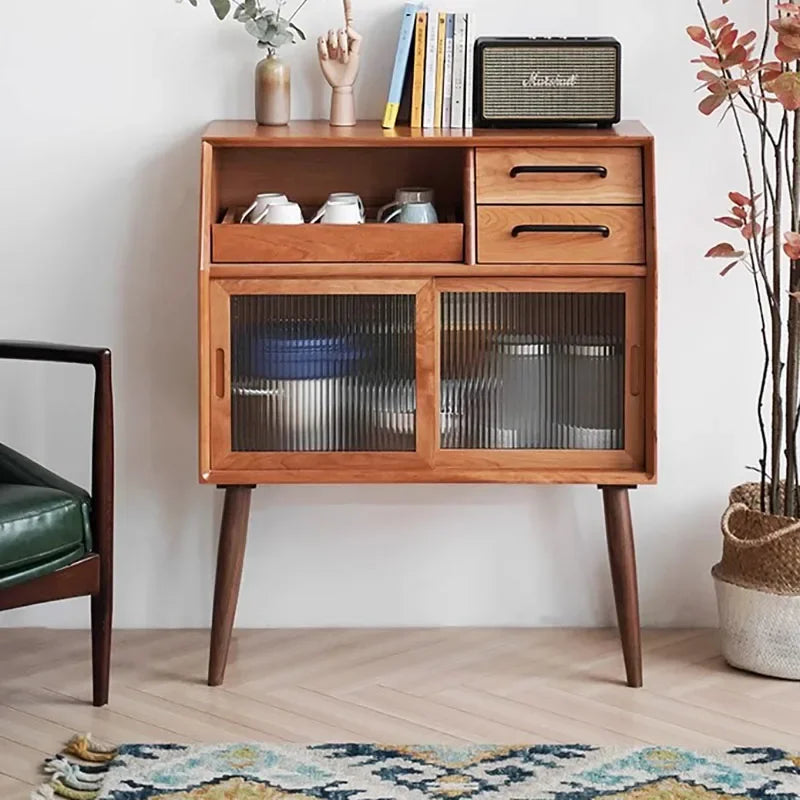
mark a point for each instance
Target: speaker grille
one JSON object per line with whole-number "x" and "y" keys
{"x": 550, "y": 83}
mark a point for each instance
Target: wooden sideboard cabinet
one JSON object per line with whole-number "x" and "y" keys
{"x": 513, "y": 342}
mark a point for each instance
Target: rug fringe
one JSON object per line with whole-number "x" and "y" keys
{"x": 77, "y": 771}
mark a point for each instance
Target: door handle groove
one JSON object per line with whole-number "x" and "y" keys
{"x": 219, "y": 377}
{"x": 636, "y": 370}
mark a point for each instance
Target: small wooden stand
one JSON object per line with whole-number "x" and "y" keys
{"x": 560, "y": 220}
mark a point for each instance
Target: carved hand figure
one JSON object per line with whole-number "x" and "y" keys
{"x": 339, "y": 57}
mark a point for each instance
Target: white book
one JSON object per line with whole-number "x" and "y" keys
{"x": 459, "y": 69}
{"x": 448, "y": 71}
{"x": 469, "y": 77}
{"x": 429, "y": 101}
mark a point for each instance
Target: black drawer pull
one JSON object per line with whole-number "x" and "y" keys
{"x": 603, "y": 230}
{"x": 601, "y": 172}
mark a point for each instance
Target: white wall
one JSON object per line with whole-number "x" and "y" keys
{"x": 101, "y": 108}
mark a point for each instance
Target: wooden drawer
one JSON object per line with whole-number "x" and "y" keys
{"x": 561, "y": 235}
{"x": 232, "y": 243}
{"x": 553, "y": 175}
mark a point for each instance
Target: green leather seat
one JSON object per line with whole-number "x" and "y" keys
{"x": 44, "y": 520}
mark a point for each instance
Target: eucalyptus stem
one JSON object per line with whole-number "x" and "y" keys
{"x": 298, "y": 10}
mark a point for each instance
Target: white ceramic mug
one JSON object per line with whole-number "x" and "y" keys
{"x": 341, "y": 208}
{"x": 285, "y": 213}
{"x": 261, "y": 204}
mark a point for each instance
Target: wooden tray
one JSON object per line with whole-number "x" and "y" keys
{"x": 232, "y": 243}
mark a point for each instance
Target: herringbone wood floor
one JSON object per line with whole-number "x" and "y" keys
{"x": 451, "y": 685}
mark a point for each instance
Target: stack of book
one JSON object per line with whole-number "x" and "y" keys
{"x": 432, "y": 80}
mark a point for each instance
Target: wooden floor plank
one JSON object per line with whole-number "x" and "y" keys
{"x": 407, "y": 686}
{"x": 13, "y": 789}
{"x": 369, "y": 725}
{"x": 445, "y": 718}
{"x": 548, "y": 725}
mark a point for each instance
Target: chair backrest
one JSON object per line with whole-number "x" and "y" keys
{"x": 16, "y": 468}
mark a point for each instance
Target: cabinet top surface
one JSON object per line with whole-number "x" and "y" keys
{"x": 318, "y": 133}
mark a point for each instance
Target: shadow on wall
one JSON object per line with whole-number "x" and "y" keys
{"x": 683, "y": 543}
{"x": 156, "y": 390}
{"x": 479, "y": 553}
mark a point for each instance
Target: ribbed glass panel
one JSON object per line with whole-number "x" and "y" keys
{"x": 323, "y": 373}
{"x": 533, "y": 371}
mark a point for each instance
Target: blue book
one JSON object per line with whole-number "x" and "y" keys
{"x": 400, "y": 64}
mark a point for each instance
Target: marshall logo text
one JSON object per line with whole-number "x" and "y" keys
{"x": 539, "y": 80}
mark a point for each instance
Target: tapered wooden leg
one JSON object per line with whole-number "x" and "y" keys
{"x": 102, "y": 524}
{"x": 622, "y": 556}
{"x": 102, "y": 604}
{"x": 230, "y": 558}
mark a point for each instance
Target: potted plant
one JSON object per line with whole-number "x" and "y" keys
{"x": 272, "y": 28}
{"x": 752, "y": 80}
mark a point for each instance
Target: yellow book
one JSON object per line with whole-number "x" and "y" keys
{"x": 441, "y": 40}
{"x": 418, "y": 91}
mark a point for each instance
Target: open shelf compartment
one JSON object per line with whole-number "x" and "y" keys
{"x": 308, "y": 176}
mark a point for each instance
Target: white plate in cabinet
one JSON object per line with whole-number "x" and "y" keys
{"x": 561, "y": 235}
{"x": 560, "y": 175}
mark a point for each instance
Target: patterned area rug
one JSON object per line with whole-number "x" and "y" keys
{"x": 421, "y": 772}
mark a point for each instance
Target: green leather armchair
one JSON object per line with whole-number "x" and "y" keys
{"x": 56, "y": 540}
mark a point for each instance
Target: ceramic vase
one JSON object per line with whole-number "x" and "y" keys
{"x": 273, "y": 91}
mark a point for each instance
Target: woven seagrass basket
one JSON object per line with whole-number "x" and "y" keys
{"x": 758, "y": 587}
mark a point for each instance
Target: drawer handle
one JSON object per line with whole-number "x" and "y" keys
{"x": 601, "y": 172}
{"x": 603, "y": 230}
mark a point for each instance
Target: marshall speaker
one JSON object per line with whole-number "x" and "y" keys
{"x": 541, "y": 82}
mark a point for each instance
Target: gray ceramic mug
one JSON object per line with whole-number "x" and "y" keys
{"x": 412, "y": 206}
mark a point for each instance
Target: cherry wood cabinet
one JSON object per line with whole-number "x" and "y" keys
{"x": 515, "y": 342}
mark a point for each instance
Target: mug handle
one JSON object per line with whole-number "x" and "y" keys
{"x": 385, "y": 208}
{"x": 263, "y": 216}
{"x": 362, "y": 209}
{"x": 248, "y": 212}
{"x": 320, "y": 214}
{"x": 395, "y": 213}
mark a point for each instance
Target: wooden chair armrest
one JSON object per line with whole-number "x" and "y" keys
{"x": 47, "y": 351}
{"x": 102, "y": 427}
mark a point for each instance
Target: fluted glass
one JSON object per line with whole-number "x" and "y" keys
{"x": 323, "y": 373}
{"x": 533, "y": 371}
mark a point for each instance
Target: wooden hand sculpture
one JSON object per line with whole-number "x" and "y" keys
{"x": 339, "y": 57}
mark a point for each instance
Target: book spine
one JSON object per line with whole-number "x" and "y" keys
{"x": 459, "y": 64}
{"x": 419, "y": 70}
{"x": 400, "y": 65}
{"x": 441, "y": 39}
{"x": 429, "y": 103}
{"x": 469, "y": 77}
{"x": 448, "y": 71}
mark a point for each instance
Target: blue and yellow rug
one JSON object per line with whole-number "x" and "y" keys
{"x": 422, "y": 772}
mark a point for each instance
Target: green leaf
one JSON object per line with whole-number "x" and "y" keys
{"x": 280, "y": 38}
{"x": 247, "y": 10}
{"x": 221, "y": 8}
{"x": 257, "y": 27}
